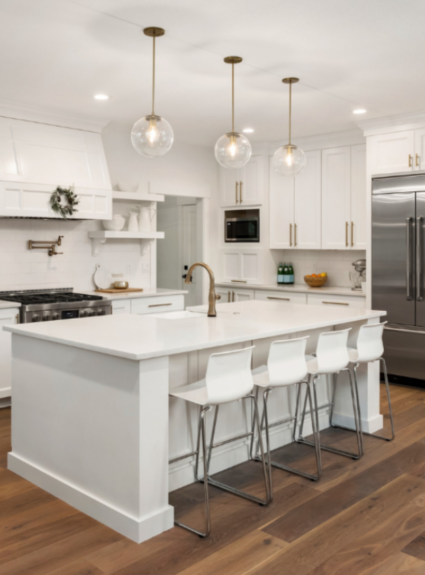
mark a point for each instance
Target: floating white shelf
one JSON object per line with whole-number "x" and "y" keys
{"x": 101, "y": 236}
{"x": 136, "y": 197}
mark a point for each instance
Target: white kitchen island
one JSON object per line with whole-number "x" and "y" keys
{"x": 92, "y": 422}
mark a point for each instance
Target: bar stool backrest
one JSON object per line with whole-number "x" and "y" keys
{"x": 369, "y": 342}
{"x": 332, "y": 352}
{"x": 286, "y": 362}
{"x": 229, "y": 375}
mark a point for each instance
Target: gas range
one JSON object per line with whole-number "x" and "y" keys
{"x": 55, "y": 304}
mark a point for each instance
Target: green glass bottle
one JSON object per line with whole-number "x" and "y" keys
{"x": 291, "y": 274}
{"x": 280, "y": 274}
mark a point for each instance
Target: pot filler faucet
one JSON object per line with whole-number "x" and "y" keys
{"x": 212, "y": 296}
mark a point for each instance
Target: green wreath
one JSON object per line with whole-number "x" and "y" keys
{"x": 64, "y": 209}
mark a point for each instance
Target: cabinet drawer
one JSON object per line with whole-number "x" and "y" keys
{"x": 121, "y": 306}
{"x": 336, "y": 300}
{"x": 145, "y": 305}
{"x": 282, "y": 296}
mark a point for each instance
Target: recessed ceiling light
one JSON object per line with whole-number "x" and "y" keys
{"x": 359, "y": 111}
{"x": 101, "y": 97}
{"x": 248, "y": 130}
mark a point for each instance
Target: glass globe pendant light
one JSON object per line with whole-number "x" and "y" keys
{"x": 289, "y": 160}
{"x": 233, "y": 149}
{"x": 152, "y": 135}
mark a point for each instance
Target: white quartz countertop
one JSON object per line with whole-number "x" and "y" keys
{"x": 140, "y": 337}
{"x": 147, "y": 292}
{"x": 296, "y": 288}
{"x": 8, "y": 304}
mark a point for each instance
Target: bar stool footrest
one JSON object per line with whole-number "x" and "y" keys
{"x": 364, "y": 432}
{"x": 235, "y": 491}
{"x": 330, "y": 449}
{"x": 191, "y": 529}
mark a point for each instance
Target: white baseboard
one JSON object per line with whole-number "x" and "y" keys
{"x": 136, "y": 529}
{"x": 369, "y": 425}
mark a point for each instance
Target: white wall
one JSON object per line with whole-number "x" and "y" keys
{"x": 192, "y": 168}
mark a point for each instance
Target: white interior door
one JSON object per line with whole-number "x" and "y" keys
{"x": 336, "y": 198}
{"x": 308, "y": 204}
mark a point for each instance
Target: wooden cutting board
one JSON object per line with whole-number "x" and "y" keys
{"x": 113, "y": 290}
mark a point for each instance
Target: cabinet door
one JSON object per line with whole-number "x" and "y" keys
{"x": 242, "y": 294}
{"x": 335, "y": 198}
{"x": 307, "y": 204}
{"x": 391, "y": 153}
{"x": 226, "y": 295}
{"x": 358, "y": 198}
{"x": 7, "y": 317}
{"x": 281, "y": 296}
{"x": 336, "y": 300}
{"x": 229, "y": 186}
{"x": 419, "y": 161}
{"x": 121, "y": 306}
{"x": 251, "y": 266}
{"x": 281, "y": 210}
{"x": 230, "y": 268}
{"x": 252, "y": 182}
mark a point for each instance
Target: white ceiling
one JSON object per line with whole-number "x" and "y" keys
{"x": 56, "y": 54}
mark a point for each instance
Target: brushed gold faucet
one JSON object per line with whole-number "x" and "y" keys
{"x": 212, "y": 296}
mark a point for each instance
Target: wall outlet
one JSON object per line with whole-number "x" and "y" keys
{"x": 146, "y": 268}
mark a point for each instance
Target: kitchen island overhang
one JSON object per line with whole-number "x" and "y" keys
{"x": 92, "y": 422}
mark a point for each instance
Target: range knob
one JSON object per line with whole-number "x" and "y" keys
{"x": 83, "y": 313}
{"x": 55, "y": 316}
{"x": 90, "y": 312}
{"x": 100, "y": 311}
{"x": 35, "y": 318}
{"x": 45, "y": 317}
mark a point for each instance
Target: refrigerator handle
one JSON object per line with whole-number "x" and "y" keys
{"x": 419, "y": 259}
{"x": 408, "y": 260}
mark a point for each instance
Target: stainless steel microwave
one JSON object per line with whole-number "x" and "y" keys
{"x": 242, "y": 226}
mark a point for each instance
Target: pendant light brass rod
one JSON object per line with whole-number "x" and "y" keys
{"x": 233, "y": 97}
{"x": 153, "y": 77}
{"x": 290, "y": 111}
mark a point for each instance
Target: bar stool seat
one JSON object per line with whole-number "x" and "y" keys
{"x": 228, "y": 379}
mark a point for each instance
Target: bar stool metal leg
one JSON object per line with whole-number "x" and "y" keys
{"x": 387, "y": 387}
{"x": 201, "y": 431}
{"x": 233, "y": 490}
{"x": 356, "y": 420}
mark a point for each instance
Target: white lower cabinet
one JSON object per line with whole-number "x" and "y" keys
{"x": 336, "y": 300}
{"x": 281, "y": 296}
{"x": 231, "y": 294}
{"x": 157, "y": 304}
{"x": 7, "y": 317}
{"x": 121, "y": 306}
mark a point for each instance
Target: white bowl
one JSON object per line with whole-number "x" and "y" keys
{"x": 127, "y": 187}
{"x": 114, "y": 225}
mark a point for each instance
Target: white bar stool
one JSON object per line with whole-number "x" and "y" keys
{"x": 369, "y": 348}
{"x": 287, "y": 365}
{"x": 228, "y": 379}
{"x": 332, "y": 357}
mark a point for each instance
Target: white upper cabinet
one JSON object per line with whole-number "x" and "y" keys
{"x": 336, "y": 183}
{"x": 391, "y": 153}
{"x": 308, "y": 204}
{"x": 240, "y": 265}
{"x": 358, "y": 197}
{"x": 281, "y": 210}
{"x": 245, "y": 186}
{"x": 419, "y": 163}
{"x": 295, "y": 207}
{"x": 35, "y": 158}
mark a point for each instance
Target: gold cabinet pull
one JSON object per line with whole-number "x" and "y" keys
{"x": 240, "y": 192}
{"x": 335, "y": 303}
{"x": 346, "y": 234}
{"x": 17, "y": 318}
{"x": 238, "y": 281}
{"x": 352, "y": 234}
{"x": 410, "y": 161}
{"x": 290, "y": 234}
{"x": 159, "y": 304}
{"x": 236, "y": 185}
{"x": 417, "y": 160}
{"x": 295, "y": 235}
{"x": 228, "y": 297}
{"x": 281, "y": 298}
{"x": 233, "y": 296}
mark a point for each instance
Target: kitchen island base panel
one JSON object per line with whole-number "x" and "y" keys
{"x": 92, "y": 429}
{"x": 137, "y": 530}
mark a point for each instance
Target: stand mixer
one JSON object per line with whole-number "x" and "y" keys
{"x": 358, "y": 275}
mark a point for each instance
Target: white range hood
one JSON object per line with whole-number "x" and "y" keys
{"x": 35, "y": 158}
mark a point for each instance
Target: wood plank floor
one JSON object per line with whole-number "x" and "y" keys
{"x": 364, "y": 517}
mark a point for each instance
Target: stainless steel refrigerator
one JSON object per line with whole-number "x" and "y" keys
{"x": 398, "y": 252}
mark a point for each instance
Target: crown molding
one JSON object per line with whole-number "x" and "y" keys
{"x": 390, "y": 124}
{"x": 42, "y": 116}
{"x": 309, "y": 143}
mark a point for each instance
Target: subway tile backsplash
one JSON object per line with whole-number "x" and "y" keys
{"x": 336, "y": 263}
{"x": 21, "y": 268}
